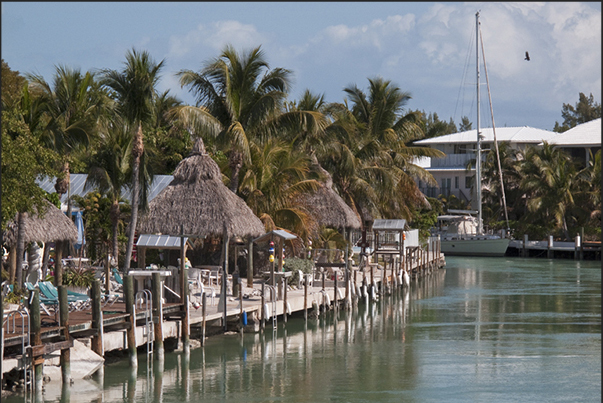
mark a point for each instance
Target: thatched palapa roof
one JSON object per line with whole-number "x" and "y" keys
{"x": 198, "y": 200}
{"x": 327, "y": 207}
{"x": 55, "y": 226}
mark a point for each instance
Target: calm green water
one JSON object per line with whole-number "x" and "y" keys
{"x": 480, "y": 330}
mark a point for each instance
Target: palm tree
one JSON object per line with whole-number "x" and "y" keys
{"x": 492, "y": 193}
{"x": 549, "y": 180}
{"x": 272, "y": 183}
{"x": 372, "y": 158}
{"x": 134, "y": 91}
{"x": 110, "y": 172}
{"x": 73, "y": 105}
{"x": 240, "y": 101}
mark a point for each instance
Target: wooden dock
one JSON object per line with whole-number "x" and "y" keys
{"x": 258, "y": 301}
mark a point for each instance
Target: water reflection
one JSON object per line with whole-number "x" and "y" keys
{"x": 469, "y": 330}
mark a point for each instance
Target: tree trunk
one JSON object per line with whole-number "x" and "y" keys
{"x": 58, "y": 263}
{"x": 115, "y": 226}
{"x": 12, "y": 264}
{"x": 137, "y": 151}
{"x": 235, "y": 163}
{"x": 20, "y": 247}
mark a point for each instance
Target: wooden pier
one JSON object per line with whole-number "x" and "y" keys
{"x": 109, "y": 328}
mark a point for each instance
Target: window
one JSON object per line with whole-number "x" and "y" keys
{"x": 467, "y": 182}
{"x": 456, "y": 182}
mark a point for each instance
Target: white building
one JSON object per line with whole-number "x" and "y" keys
{"x": 580, "y": 141}
{"x": 450, "y": 172}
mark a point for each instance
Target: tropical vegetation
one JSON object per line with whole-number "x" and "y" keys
{"x": 118, "y": 128}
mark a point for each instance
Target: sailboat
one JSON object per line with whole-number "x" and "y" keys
{"x": 461, "y": 231}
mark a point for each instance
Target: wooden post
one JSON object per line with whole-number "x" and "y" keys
{"x": 549, "y": 248}
{"x": 577, "y": 243}
{"x": 156, "y": 286}
{"x": 525, "y": 245}
{"x": 240, "y": 287}
{"x": 581, "y": 243}
{"x": 348, "y": 236}
{"x": 36, "y": 334}
{"x": 284, "y": 299}
{"x": 97, "y": 319}
{"x": 184, "y": 295}
{"x": 107, "y": 274}
{"x": 186, "y": 329}
{"x": 263, "y": 309}
{"x": 306, "y": 295}
{"x": 131, "y": 330}
{"x": 335, "y": 292}
{"x": 204, "y": 311}
{"x": 250, "y": 264}
{"x": 64, "y": 323}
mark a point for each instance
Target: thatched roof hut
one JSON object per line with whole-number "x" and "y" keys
{"x": 55, "y": 226}
{"x": 327, "y": 207}
{"x": 198, "y": 200}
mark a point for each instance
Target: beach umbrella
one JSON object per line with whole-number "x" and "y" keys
{"x": 79, "y": 225}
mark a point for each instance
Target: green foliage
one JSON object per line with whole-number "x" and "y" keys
{"x": 23, "y": 161}
{"x": 424, "y": 219}
{"x": 82, "y": 277}
{"x": 586, "y": 109}
{"x": 12, "y": 83}
{"x": 294, "y": 264}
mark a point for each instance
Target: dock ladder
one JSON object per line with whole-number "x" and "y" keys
{"x": 144, "y": 302}
{"x": 273, "y": 305}
{"x": 12, "y": 317}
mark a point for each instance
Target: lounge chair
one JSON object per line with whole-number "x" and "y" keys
{"x": 76, "y": 300}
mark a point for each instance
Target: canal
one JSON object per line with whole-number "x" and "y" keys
{"x": 479, "y": 330}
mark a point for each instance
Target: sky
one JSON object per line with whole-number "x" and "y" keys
{"x": 425, "y": 49}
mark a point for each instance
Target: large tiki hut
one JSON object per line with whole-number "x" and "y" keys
{"x": 51, "y": 225}
{"x": 196, "y": 203}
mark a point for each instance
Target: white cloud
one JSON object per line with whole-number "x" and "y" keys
{"x": 215, "y": 36}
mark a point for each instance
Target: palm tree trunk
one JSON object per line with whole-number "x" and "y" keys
{"x": 20, "y": 247}
{"x": 115, "y": 224}
{"x": 236, "y": 162}
{"x": 137, "y": 151}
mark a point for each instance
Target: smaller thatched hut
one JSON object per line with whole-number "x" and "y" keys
{"x": 327, "y": 207}
{"x": 50, "y": 226}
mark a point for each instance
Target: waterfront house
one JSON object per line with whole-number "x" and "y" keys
{"x": 451, "y": 172}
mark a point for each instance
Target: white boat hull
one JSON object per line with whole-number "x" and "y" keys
{"x": 475, "y": 246}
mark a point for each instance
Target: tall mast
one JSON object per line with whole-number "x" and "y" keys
{"x": 478, "y": 159}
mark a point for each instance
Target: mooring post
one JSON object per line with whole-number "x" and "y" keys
{"x": 263, "y": 308}
{"x": 525, "y": 245}
{"x": 36, "y": 334}
{"x": 307, "y": 280}
{"x": 64, "y": 323}
{"x": 156, "y": 285}
{"x": 204, "y": 312}
{"x": 335, "y": 294}
{"x": 577, "y": 247}
{"x": 250, "y": 264}
{"x": 239, "y": 285}
{"x": 186, "y": 330}
{"x": 97, "y": 319}
{"x": 284, "y": 299}
{"x": 131, "y": 311}
{"x": 549, "y": 248}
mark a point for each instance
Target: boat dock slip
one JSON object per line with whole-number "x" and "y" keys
{"x": 106, "y": 328}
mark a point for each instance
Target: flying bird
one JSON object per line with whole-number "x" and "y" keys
{"x": 527, "y": 56}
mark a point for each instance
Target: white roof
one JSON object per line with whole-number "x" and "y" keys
{"x": 584, "y": 135}
{"x": 523, "y": 134}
